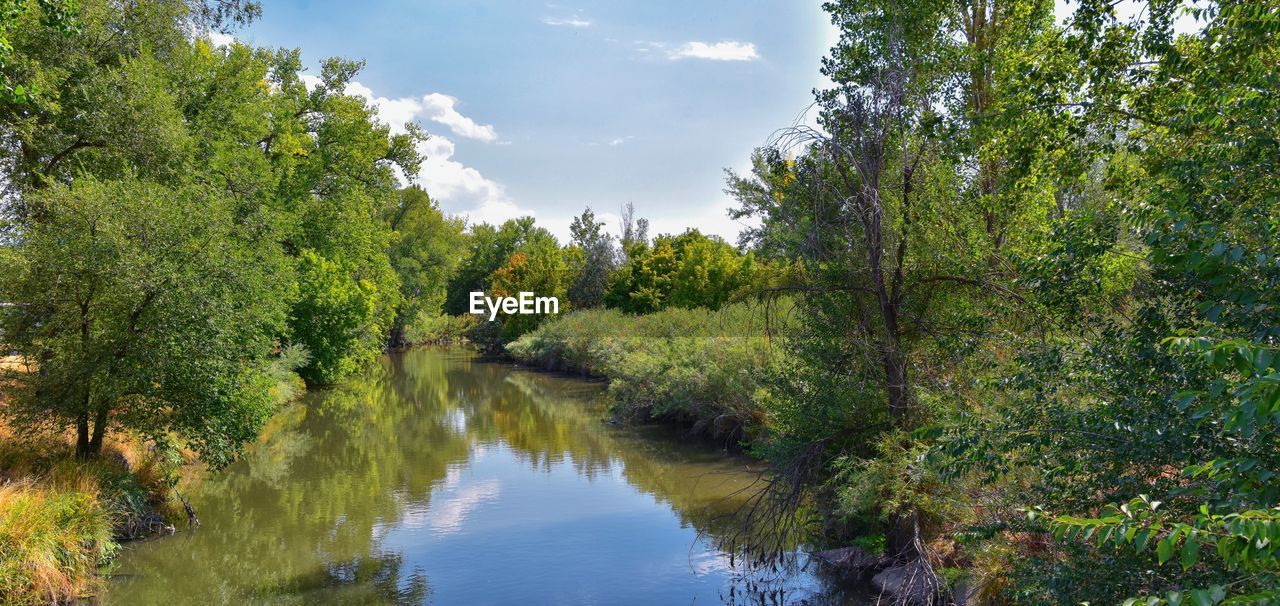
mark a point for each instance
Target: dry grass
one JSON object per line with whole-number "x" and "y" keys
{"x": 15, "y": 363}
{"x": 60, "y": 516}
{"x": 52, "y": 541}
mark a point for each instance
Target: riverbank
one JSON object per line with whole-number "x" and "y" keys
{"x": 63, "y": 518}
{"x": 702, "y": 369}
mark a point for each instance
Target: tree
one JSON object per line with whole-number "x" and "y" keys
{"x": 426, "y": 251}
{"x": 55, "y": 14}
{"x": 1159, "y": 435}
{"x": 689, "y": 270}
{"x": 904, "y": 213}
{"x": 144, "y": 307}
{"x": 635, "y": 231}
{"x": 598, "y": 261}
{"x": 277, "y": 181}
{"x": 489, "y": 249}
{"x": 538, "y": 267}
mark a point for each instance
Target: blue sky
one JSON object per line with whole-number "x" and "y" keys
{"x": 545, "y": 108}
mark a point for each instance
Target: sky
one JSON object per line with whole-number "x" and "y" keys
{"x": 543, "y": 109}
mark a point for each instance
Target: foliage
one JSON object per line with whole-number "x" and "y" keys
{"x": 439, "y": 328}
{"x": 61, "y": 517}
{"x": 1153, "y": 430}
{"x": 426, "y": 250}
{"x": 143, "y": 306}
{"x": 488, "y": 250}
{"x": 54, "y": 542}
{"x": 689, "y": 366}
{"x": 333, "y": 319}
{"x": 688, "y": 270}
{"x": 539, "y": 267}
{"x": 202, "y": 182}
{"x": 55, "y": 14}
{"x": 596, "y": 265}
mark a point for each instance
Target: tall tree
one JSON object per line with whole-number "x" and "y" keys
{"x": 1157, "y": 432}
{"x": 143, "y": 307}
{"x": 426, "y": 250}
{"x": 597, "y": 264}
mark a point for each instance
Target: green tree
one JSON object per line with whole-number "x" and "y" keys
{"x": 597, "y": 264}
{"x": 427, "y": 249}
{"x": 538, "y": 267}
{"x": 904, "y": 210}
{"x": 56, "y": 14}
{"x": 1159, "y": 434}
{"x": 489, "y": 249}
{"x": 143, "y": 307}
{"x": 688, "y": 270}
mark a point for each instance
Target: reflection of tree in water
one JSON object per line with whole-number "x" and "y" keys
{"x": 542, "y": 416}
{"x": 300, "y": 519}
{"x": 320, "y": 487}
{"x": 551, "y": 419}
{"x": 374, "y": 580}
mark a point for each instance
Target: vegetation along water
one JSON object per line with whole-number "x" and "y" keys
{"x": 1001, "y": 325}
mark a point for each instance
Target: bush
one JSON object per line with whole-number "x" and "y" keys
{"x": 691, "y": 366}
{"x": 339, "y": 318}
{"x": 439, "y": 328}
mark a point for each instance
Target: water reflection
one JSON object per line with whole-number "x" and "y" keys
{"x": 438, "y": 478}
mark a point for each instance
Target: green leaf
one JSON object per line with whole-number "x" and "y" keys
{"x": 1141, "y": 538}
{"x": 1190, "y": 551}
{"x": 1164, "y": 549}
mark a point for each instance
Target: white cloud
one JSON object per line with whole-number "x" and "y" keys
{"x": 460, "y": 189}
{"x": 394, "y": 112}
{"x": 440, "y": 108}
{"x": 219, "y": 39}
{"x": 727, "y": 50}
{"x": 435, "y": 107}
{"x": 456, "y": 184}
{"x": 614, "y": 142}
{"x": 566, "y": 21}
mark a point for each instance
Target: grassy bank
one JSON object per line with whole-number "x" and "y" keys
{"x": 700, "y": 368}
{"x": 62, "y": 518}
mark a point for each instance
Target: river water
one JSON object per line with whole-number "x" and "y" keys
{"x": 438, "y": 478}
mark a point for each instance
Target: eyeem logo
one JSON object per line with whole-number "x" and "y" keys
{"x": 525, "y": 304}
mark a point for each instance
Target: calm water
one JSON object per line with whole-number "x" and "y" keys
{"x": 441, "y": 479}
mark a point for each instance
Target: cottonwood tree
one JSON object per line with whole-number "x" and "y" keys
{"x": 144, "y": 307}
{"x": 905, "y": 213}
{"x": 426, "y": 250}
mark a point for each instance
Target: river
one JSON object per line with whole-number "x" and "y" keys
{"x": 439, "y": 478}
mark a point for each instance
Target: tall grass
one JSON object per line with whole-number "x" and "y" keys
{"x": 696, "y": 367}
{"x": 60, "y": 517}
{"x": 52, "y": 541}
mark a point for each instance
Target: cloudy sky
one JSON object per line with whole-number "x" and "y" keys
{"x": 545, "y": 108}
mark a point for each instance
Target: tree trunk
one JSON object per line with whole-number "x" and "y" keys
{"x": 902, "y": 539}
{"x": 82, "y": 435}
{"x": 99, "y": 431}
{"x": 895, "y": 378}
{"x": 396, "y": 339}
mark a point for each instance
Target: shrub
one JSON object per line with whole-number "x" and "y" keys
{"x": 692, "y": 366}
{"x": 439, "y": 328}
